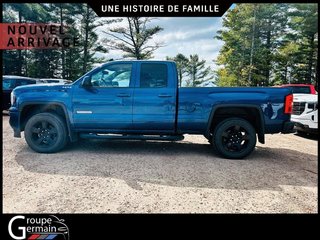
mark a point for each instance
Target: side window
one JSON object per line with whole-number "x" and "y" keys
{"x": 114, "y": 75}
{"x": 24, "y": 82}
{"x": 7, "y": 84}
{"x": 153, "y": 75}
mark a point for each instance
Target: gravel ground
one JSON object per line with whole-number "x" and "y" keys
{"x": 160, "y": 177}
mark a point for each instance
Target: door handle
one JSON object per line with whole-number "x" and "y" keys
{"x": 123, "y": 95}
{"x": 164, "y": 95}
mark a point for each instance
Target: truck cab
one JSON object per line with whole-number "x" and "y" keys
{"x": 135, "y": 104}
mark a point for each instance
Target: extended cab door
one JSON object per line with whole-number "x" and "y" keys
{"x": 107, "y": 104}
{"x": 154, "y": 105}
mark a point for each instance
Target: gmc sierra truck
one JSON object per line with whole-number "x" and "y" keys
{"x": 141, "y": 100}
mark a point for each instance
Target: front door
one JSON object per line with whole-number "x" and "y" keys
{"x": 107, "y": 104}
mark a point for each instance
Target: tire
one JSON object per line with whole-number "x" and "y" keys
{"x": 234, "y": 138}
{"x": 46, "y": 133}
{"x": 301, "y": 133}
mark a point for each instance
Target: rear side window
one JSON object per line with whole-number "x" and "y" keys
{"x": 7, "y": 84}
{"x": 153, "y": 75}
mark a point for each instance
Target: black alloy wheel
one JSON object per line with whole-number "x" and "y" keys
{"x": 46, "y": 133}
{"x": 234, "y": 138}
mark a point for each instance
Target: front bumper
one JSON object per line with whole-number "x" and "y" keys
{"x": 307, "y": 122}
{"x": 288, "y": 127}
{"x": 305, "y": 128}
{"x": 14, "y": 121}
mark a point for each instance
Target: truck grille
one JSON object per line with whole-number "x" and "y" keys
{"x": 298, "y": 108}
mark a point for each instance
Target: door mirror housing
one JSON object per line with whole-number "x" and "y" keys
{"x": 105, "y": 72}
{"x": 86, "y": 82}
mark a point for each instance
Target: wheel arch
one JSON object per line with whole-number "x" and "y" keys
{"x": 245, "y": 111}
{"x": 29, "y": 109}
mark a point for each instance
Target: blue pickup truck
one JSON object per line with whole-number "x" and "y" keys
{"x": 141, "y": 100}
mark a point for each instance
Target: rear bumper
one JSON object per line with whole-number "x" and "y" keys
{"x": 288, "y": 127}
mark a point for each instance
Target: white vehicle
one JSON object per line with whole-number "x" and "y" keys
{"x": 305, "y": 112}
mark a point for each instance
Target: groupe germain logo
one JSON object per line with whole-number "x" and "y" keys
{"x": 25, "y": 227}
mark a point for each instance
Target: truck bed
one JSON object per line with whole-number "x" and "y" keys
{"x": 196, "y": 104}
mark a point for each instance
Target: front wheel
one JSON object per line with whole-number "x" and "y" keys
{"x": 301, "y": 133}
{"x": 45, "y": 133}
{"x": 234, "y": 138}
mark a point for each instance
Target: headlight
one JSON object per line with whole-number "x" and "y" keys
{"x": 313, "y": 106}
{"x": 12, "y": 98}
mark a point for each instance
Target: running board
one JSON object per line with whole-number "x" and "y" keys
{"x": 132, "y": 137}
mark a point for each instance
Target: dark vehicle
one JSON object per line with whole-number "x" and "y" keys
{"x": 9, "y": 83}
{"x": 300, "y": 88}
{"x": 141, "y": 100}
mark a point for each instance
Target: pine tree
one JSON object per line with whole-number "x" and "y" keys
{"x": 198, "y": 73}
{"x": 182, "y": 65}
{"x": 304, "y": 22}
{"x": 266, "y": 44}
{"x": 134, "y": 39}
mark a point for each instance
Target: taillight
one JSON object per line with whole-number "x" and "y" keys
{"x": 288, "y": 104}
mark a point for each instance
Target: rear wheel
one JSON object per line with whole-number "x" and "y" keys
{"x": 234, "y": 138}
{"x": 46, "y": 133}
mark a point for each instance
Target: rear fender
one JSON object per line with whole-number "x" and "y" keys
{"x": 260, "y": 130}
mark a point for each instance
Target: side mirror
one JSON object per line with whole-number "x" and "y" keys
{"x": 105, "y": 72}
{"x": 86, "y": 82}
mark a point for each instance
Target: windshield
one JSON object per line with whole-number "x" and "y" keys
{"x": 297, "y": 89}
{"x": 7, "y": 84}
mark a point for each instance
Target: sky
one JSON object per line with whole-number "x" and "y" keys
{"x": 186, "y": 35}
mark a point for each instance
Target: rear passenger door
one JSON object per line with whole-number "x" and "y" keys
{"x": 154, "y": 103}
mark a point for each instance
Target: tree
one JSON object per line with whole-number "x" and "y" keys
{"x": 304, "y": 21}
{"x": 90, "y": 41}
{"x": 68, "y": 63}
{"x": 225, "y": 79}
{"x": 199, "y": 74}
{"x": 20, "y": 12}
{"x": 253, "y": 33}
{"x": 182, "y": 65}
{"x": 286, "y": 63}
{"x": 273, "y": 29}
{"x": 52, "y": 63}
{"x": 237, "y": 55}
{"x": 266, "y": 44}
{"x": 134, "y": 39}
